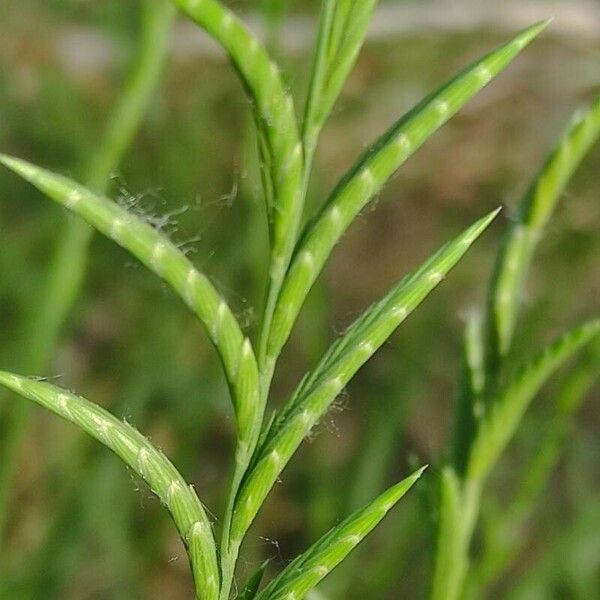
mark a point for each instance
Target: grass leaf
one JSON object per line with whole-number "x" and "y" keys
{"x": 370, "y": 173}
{"x": 453, "y": 539}
{"x": 308, "y": 569}
{"x": 489, "y": 410}
{"x": 279, "y": 139}
{"x": 510, "y": 403}
{"x": 504, "y": 530}
{"x": 469, "y": 402}
{"x": 535, "y": 211}
{"x": 148, "y": 462}
{"x": 162, "y": 257}
{"x": 568, "y": 400}
{"x": 317, "y": 391}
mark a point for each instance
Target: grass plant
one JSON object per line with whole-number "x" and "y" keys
{"x": 300, "y": 246}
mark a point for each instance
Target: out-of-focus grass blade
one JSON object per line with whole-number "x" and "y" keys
{"x": 474, "y": 353}
{"x": 64, "y": 277}
{"x": 369, "y": 332}
{"x": 370, "y": 173}
{"x": 571, "y": 395}
{"x": 307, "y": 570}
{"x": 342, "y": 30}
{"x": 160, "y": 255}
{"x": 318, "y": 390}
{"x": 469, "y": 403}
{"x": 453, "y": 534}
{"x": 506, "y": 411}
{"x": 535, "y": 211}
{"x": 504, "y": 530}
{"x": 148, "y": 462}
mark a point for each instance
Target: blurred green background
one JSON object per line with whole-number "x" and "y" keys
{"x": 80, "y": 525}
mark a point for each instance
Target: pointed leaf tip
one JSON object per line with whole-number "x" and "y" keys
{"x": 480, "y": 226}
{"x": 23, "y": 168}
{"x": 534, "y": 30}
{"x": 310, "y": 568}
{"x": 492, "y": 215}
{"x": 420, "y": 472}
{"x": 10, "y": 161}
{"x": 527, "y": 35}
{"x": 407, "y": 483}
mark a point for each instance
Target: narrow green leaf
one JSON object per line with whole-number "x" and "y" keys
{"x": 469, "y": 406}
{"x": 366, "y": 333}
{"x": 318, "y": 77}
{"x": 504, "y": 531}
{"x": 317, "y": 391}
{"x": 339, "y": 25}
{"x": 279, "y": 138}
{"x": 490, "y": 410}
{"x": 370, "y": 173}
{"x": 449, "y": 549}
{"x": 509, "y": 404}
{"x": 157, "y": 18}
{"x": 307, "y": 570}
{"x": 350, "y": 23}
{"x": 161, "y": 256}
{"x": 535, "y": 211}
{"x": 148, "y": 462}
{"x": 474, "y": 352}
{"x": 572, "y": 393}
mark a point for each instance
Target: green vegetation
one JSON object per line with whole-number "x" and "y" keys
{"x": 497, "y": 387}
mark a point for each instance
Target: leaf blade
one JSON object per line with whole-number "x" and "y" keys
{"x": 450, "y": 559}
{"x": 250, "y": 590}
{"x": 316, "y": 392}
{"x": 369, "y": 174}
{"x": 343, "y": 25}
{"x": 149, "y": 463}
{"x": 310, "y": 568}
{"x": 469, "y": 401}
{"x": 160, "y": 255}
{"x": 277, "y": 126}
{"x": 536, "y": 209}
